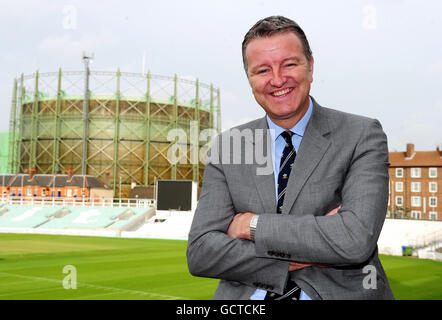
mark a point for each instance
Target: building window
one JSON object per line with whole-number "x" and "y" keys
{"x": 415, "y": 172}
{"x": 69, "y": 192}
{"x": 433, "y": 202}
{"x": 415, "y": 187}
{"x": 399, "y": 200}
{"x": 399, "y": 187}
{"x": 415, "y": 201}
{"x": 432, "y": 172}
{"x": 29, "y": 191}
{"x": 43, "y": 192}
{"x": 75, "y": 193}
{"x": 433, "y": 215}
{"x": 432, "y": 186}
{"x": 399, "y": 172}
{"x": 415, "y": 214}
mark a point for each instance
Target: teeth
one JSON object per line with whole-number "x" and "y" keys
{"x": 280, "y": 93}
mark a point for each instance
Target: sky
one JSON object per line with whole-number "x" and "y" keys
{"x": 380, "y": 58}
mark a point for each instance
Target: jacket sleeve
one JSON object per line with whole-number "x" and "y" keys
{"x": 350, "y": 236}
{"x": 212, "y": 253}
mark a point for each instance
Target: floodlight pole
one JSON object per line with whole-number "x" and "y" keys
{"x": 86, "y": 59}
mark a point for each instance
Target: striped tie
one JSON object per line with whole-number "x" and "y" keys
{"x": 291, "y": 291}
{"x": 287, "y": 160}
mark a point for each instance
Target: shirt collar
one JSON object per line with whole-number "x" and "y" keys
{"x": 298, "y": 128}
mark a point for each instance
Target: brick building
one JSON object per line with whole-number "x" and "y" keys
{"x": 53, "y": 186}
{"x": 415, "y": 184}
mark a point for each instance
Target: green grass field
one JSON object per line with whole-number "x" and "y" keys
{"x": 31, "y": 267}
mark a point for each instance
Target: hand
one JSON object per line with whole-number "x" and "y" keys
{"x": 334, "y": 211}
{"x": 240, "y": 226}
{"x": 293, "y": 266}
{"x": 299, "y": 265}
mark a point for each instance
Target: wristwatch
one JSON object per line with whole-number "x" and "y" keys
{"x": 253, "y": 224}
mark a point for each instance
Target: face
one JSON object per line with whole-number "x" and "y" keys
{"x": 280, "y": 76}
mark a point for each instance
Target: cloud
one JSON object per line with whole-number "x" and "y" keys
{"x": 66, "y": 44}
{"x": 418, "y": 127}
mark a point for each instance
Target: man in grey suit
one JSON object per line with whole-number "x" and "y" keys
{"x": 308, "y": 227}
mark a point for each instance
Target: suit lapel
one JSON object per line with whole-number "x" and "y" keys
{"x": 311, "y": 151}
{"x": 265, "y": 183}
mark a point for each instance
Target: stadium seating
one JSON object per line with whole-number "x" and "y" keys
{"x": 174, "y": 226}
{"x": 25, "y": 216}
{"x": 94, "y": 221}
{"x": 66, "y": 217}
{"x": 124, "y": 218}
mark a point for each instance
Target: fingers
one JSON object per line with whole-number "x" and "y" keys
{"x": 332, "y": 212}
{"x": 239, "y": 228}
{"x": 293, "y": 266}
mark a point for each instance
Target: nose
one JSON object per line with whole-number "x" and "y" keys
{"x": 278, "y": 79}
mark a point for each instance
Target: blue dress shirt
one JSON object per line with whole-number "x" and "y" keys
{"x": 277, "y": 146}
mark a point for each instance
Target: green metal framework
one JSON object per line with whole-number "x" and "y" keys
{"x": 129, "y": 117}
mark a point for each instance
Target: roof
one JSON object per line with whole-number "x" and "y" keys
{"x": 50, "y": 181}
{"x": 418, "y": 159}
{"x": 142, "y": 192}
{"x": 5, "y": 178}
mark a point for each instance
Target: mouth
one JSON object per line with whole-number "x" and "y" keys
{"x": 281, "y": 93}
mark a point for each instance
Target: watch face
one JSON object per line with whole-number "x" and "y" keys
{"x": 254, "y": 221}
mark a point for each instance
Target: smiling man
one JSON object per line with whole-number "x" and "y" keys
{"x": 280, "y": 76}
{"x": 308, "y": 230}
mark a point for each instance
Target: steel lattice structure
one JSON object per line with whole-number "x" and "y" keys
{"x": 128, "y": 119}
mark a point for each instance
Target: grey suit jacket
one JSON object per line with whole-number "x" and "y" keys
{"x": 342, "y": 160}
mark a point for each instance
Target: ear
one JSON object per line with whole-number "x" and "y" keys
{"x": 312, "y": 61}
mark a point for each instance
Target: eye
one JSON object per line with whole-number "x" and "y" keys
{"x": 261, "y": 71}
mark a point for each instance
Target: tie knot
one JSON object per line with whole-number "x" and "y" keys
{"x": 287, "y": 135}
